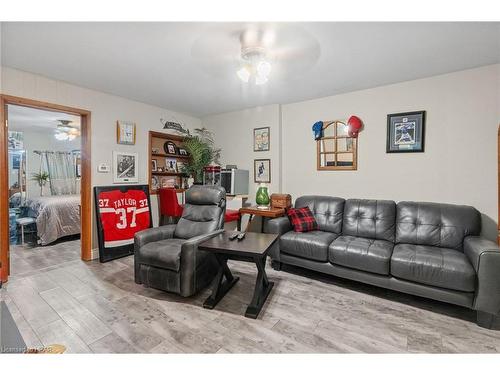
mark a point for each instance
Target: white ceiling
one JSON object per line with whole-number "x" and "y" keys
{"x": 190, "y": 67}
{"x": 25, "y": 118}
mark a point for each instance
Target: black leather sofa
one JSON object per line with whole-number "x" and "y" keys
{"x": 426, "y": 249}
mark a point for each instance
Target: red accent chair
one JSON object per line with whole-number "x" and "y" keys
{"x": 169, "y": 205}
{"x": 231, "y": 215}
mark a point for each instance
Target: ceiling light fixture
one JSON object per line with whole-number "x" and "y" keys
{"x": 66, "y": 132}
{"x": 255, "y": 66}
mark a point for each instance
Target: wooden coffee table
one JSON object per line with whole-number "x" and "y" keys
{"x": 253, "y": 248}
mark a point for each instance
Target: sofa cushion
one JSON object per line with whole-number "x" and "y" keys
{"x": 370, "y": 219}
{"x": 162, "y": 254}
{"x": 436, "y": 224}
{"x": 436, "y": 266}
{"x": 310, "y": 245}
{"x": 361, "y": 253}
{"x": 327, "y": 211}
{"x": 302, "y": 219}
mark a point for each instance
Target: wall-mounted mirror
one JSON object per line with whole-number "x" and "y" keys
{"x": 336, "y": 150}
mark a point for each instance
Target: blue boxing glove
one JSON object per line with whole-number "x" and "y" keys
{"x": 318, "y": 130}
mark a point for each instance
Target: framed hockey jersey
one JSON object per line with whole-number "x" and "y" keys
{"x": 121, "y": 212}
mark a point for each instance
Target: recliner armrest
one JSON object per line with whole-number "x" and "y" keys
{"x": 153, "y": 234}
{"x": 195, "y": 241}
{"x": 190, "y": 261}
{"x": 484, "y": 256}
{"x": 279, "y": 225}
{"x": 146, "y": 236}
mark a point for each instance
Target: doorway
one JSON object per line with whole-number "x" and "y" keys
{"x": 62, "y": 174}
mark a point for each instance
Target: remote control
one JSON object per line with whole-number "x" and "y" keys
{"x": 241, "y": 236}
{"x": 233, "y": 235}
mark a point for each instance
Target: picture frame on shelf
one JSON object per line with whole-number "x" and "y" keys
{"x": 154, "y": 165}
{"x": 181, "y": 166}
{"x": 406, "y": 132}
{"x": 261, "y": 139}
{"x": 170, "y": 148}
{"x": 171, "y": 165}
{"x": 155, "y": 183}
{"x": 168, "y": 181}
{"x": 125, "y": 132}
{"x": 262, "y": 170}
{"x": 155, "y": 150}
{"x": 125, "y": 167}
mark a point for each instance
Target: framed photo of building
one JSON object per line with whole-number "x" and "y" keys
{"x": 261, "y": 139}
{"x": 406, "y": 132}
{"x": 125, "y": 167}
{"x": 262, "y": 170}
{"x": 125, "y": 132}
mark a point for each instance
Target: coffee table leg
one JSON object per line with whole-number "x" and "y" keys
{"x": 262, "y": 289}
{"x": 222, "y": 283}
{"x": 238, "y": 225}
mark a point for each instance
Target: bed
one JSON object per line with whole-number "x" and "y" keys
{"x": 56, "y": 216}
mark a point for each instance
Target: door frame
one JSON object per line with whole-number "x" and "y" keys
{"x": 85, "y": 182}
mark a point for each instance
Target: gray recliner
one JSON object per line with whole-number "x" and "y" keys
{"x": 167, "y": 257}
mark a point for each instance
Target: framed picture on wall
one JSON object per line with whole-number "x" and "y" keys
{"x": 261, "y": 139}
{"x": 406, "y": 132}
{"x": 125, "y": 132}
{"x": 262, "y": 170}
{"x": 125, "y": 167}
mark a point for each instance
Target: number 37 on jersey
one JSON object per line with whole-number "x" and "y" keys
{"x": 122, "y": 215}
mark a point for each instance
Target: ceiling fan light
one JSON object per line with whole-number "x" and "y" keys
{"x": 264, "y": 68}
{"x": 61, "y": 136}
{"x": 244, "y": 74}
{"x": 260, "y": 80}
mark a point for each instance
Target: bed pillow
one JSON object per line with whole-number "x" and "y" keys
{"x": 302, "y": 219}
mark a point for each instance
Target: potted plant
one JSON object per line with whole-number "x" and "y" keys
{"x": 201, "y": 149}
{"x": 41, "y": 178}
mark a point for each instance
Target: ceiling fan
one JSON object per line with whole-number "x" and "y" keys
{"x": 66, "y": 132}
{"x": 255, "y": 52}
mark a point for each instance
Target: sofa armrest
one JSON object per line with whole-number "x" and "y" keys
{"x": 146, "y": 236}
{"x": 484, "y": 256}
{"x": 279, "y": 225}
{"x": 191, "y": 259}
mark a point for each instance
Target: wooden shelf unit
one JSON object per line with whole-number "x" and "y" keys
{"x": 157, "y": 140}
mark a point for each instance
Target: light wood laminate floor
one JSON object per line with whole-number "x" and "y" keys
{"x": 94, "y": 307}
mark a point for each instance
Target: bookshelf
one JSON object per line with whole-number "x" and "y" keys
{"x": 164, "y": 174}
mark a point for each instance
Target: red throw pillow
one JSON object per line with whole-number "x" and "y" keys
{"x": 302, "y": 219}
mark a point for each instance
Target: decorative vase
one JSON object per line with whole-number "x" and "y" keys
{"x": 262, "y": 197}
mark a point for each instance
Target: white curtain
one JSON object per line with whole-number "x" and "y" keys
{"x": 62, "y": 174}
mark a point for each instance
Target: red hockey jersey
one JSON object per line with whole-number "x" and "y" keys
{"x": 122, "y": 215}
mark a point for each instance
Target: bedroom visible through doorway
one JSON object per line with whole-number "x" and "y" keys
{"x": 44, "y": 173}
